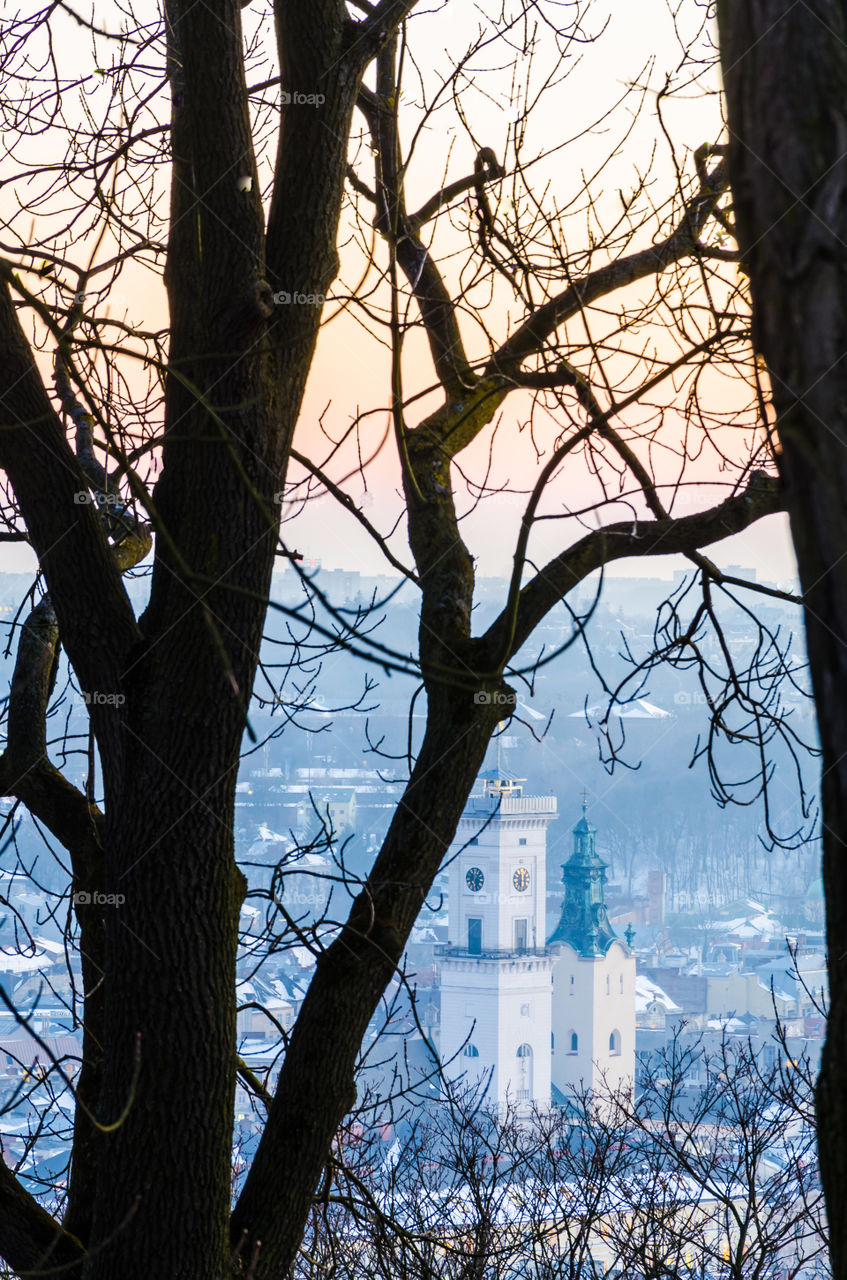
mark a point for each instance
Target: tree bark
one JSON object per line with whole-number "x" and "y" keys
{"x": 238, "y": 364}
{"x": 164, "y": 1184}
{"x": 785, "y": 73}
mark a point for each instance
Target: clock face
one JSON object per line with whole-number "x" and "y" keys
{"x": 521, "y": 879}
{"x": 475, "y": 879}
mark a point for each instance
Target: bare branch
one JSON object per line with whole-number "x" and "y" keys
{"x": 64, "y": 532}
{"x": 681, "y": 242}
{"x": 667, "y": 536}
{"x": 31, "y": 1241}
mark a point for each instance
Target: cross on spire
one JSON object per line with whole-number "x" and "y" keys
{"x": 585, "y": 795}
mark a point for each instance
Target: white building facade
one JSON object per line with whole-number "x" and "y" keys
{"x": 520, "y": 1014}
{"x": 496, "y": 988}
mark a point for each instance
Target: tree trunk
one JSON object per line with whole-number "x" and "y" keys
{"x": 164, "y": 1186}
{"x": 237, "y": 369}
{"x": 785, "y": 70}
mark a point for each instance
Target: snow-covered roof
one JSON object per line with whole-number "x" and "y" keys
{"x": 274, "y": 837}
{"x": 746, "y": 928}
{"x": 303, "y": 957}
{"x": 272, "y": 995}
{"x": 727, "y": 1024}
{"x": 424, "y": 933}
{"x": 647, "y": 993}
{"x": 256, "y": 1051}
{"x": 640, "y": 709}
{"x": 23, "y": 960}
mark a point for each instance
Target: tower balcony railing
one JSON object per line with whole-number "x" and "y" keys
{"x": 511, "y": 804}
{"x": 449, "y": 951}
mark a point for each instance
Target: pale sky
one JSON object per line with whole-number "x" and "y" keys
{"x": 350, "y": 372}
{"x": 634, "y": 38}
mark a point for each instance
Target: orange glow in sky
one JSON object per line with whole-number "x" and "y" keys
{"x": 638, "y": 45}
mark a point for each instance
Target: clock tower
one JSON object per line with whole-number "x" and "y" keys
{"x": 496, "y": 985}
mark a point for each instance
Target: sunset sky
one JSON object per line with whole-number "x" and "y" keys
{"x": 638, "y": 44}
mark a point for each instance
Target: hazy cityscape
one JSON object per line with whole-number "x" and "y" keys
{"x": 723, "y": 931}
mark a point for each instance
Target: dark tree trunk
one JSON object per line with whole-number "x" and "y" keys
{"x": 164, "y": 1186}
{"x": 785, "y": 69}
{"x": 238, "y": 365}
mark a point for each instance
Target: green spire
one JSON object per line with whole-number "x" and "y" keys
{"x": 584, "y": 923}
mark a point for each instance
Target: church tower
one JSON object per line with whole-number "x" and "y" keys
{"x": 495, "y": 970}
{"x": 593, "y": 1017}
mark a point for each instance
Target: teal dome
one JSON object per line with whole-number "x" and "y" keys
{"x": 584, "y": 922}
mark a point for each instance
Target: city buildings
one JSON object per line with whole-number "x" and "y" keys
{"x": 526, "y": 1018}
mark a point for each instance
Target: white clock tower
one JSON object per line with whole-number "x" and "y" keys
{"x": 496, "y": 985}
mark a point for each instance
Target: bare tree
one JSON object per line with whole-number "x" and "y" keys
{"x": 715, "y": 1180}
{"x": 180, "y": 437}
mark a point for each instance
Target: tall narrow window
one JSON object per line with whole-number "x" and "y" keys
{"x": 474, "y": 935}
{"x": 523, "y": 1091}
{"x": 615, "y": 1044}
{"x": 574, "y": 1043}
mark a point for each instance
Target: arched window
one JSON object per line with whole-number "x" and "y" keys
{"x": 471, "y": 1051}
{"x": 523, "y": 1083}
{"x": 574, "y": 1043}
{"x": 615, "y": 1043}
{"x": 608, "y": 985}
{"x": 571, "y": 984}
{"x": 621, "y": 984}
